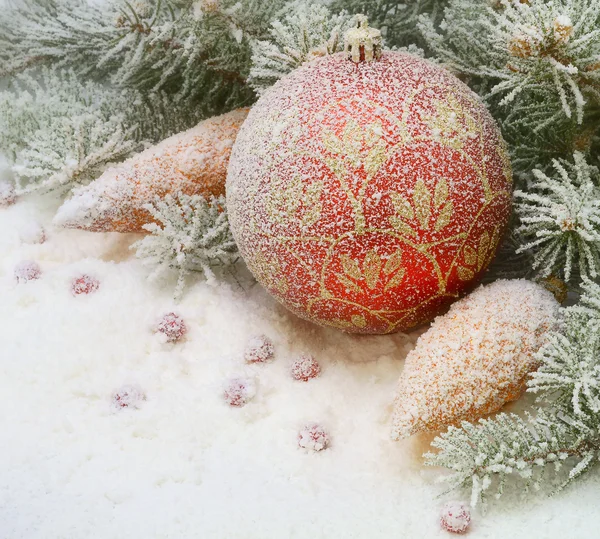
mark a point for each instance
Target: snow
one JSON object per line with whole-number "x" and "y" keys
{"x": 185, "y": 464}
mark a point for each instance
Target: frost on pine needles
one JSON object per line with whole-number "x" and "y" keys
{"x": 190, "y": 234}
{"x": 307, "y": 32}
{"x": 562, "y": 439}
{"x": 560, "y": 216}
{"x": 549, "y": 48}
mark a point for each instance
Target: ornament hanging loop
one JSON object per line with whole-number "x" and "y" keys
{"x": 361, "y": 43}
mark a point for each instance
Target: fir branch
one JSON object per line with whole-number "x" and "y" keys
{"x": 563, "y": 434}
{"x": 570, "y": 368}
{"x": 396, "y": 20}
{"x": 198, "y": 51}
{"x": 58, "y": 130}
{"x": 307, "y": 31}
{"x": 191, "y": 234}
{"x": 560, "y": 216}
{"x": 547, "y": 48}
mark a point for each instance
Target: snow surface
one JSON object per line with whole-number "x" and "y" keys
{"x": 185, "y": 464}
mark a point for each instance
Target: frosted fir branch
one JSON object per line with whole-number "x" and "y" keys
{"x": 58, "y": 130}
{"x": 190, "y": 234}
{"x": 490, "y": 455}
{"x": 587, "y": 312}
{"x": 569, "y": 372}
{"x": 309, "y": 30}
{"x": 560, "y": 219}
{"x": 396, "y": 20}
{"x": 564, "y": 435}
{"x": 548, "y": 48}
{"x": 198, "y": 50}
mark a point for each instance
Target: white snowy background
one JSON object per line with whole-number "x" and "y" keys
{"x": 187, "y": 465}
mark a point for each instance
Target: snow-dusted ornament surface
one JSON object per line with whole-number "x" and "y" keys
{"x": 475, "y": 358}
{"x": 191, "y": 163}
{"x": 367, "y": 190}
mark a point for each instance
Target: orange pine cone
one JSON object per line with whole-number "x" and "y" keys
{"x": 193, "y": 162}
{"x": 475, "y": 358}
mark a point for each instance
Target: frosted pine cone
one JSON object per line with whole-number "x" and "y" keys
{"x": 475, "y": 358}
{"x": 193, "y": 163}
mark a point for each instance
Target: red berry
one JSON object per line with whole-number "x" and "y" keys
{"x": 7, "y": 195}
{"x": 27, "y": 271}
{"x": 33, "y": 233}
{"x": 239, "y": 391}
{"x": 305, "y": 367}
{"x": 259, "y": 349}
{"x": 313, "y": 437}
{"x": 172, "y": 327}
{"x": 455, "y": 517}
{"x": 84, "y": 285}
{"x": 128, "y": 396}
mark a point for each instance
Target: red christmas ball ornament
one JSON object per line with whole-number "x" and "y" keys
{"x": 172, "y": 327}
{"x": 259, "y": 349}
{"x": 27, "y": 270}
{"x": 305, "y": 368}
{"x": 128, "y": 396}
{"x": 455, "y": 517}
{"x": 84, "y": 285}
{"x": 239, "y": 391}
{"x": 313, "y": 437}
{"x": 367, "y": 190}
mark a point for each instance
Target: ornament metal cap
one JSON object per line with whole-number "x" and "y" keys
{"x": 361, "y": 43}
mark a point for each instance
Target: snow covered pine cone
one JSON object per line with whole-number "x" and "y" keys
{"x": 193, "y": 163}
{"x": 475, "y": 358}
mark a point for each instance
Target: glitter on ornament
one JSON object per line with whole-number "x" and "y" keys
{"x": 84, "y": 285}
{"x": 305, "y": 368}
{"x": 475, "y": 358}
{"x": 313, "y": 437}
{"x": 172, "y": 327}
{"x": 192, "y": 163}
{"x": 259, "y": 349}
{"x": 33, "y": 233}
{"x": 27, "y": 270}
{"x": 128, "y": 396}
{"x": 239, "y": 391}
{"x": 368, "y": 195}
{"x": 455, "y": 517}
{"x": 8, "y": 196}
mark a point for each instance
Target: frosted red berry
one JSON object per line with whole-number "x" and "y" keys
{"x": 128, "y": 396}
{"x": 33, "y": 233}
{"x": 172, "y": 327}
{"x": 259, "y": 349}
{"x": 455, "y": 517}
{"x": 27, "y": 271}
{"x": 84, "y": 285}
{"x": 239, "y": 391}
{"x": 8, "y": 196}
{"x": 305, "y": 368}
{"x": 314, "y": 437}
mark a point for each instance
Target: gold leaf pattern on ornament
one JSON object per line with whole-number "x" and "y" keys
{"x": 372, "y": 267}
{"x": 478, "y": 256}
{"x": 359, "y": 321}
{"x": 451, "y": 124}
{"x": 295, "y": 200}
{"x": 423, "y": 206}
{"x": 270, "y": 272}
{"x": 358, "y": 145}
